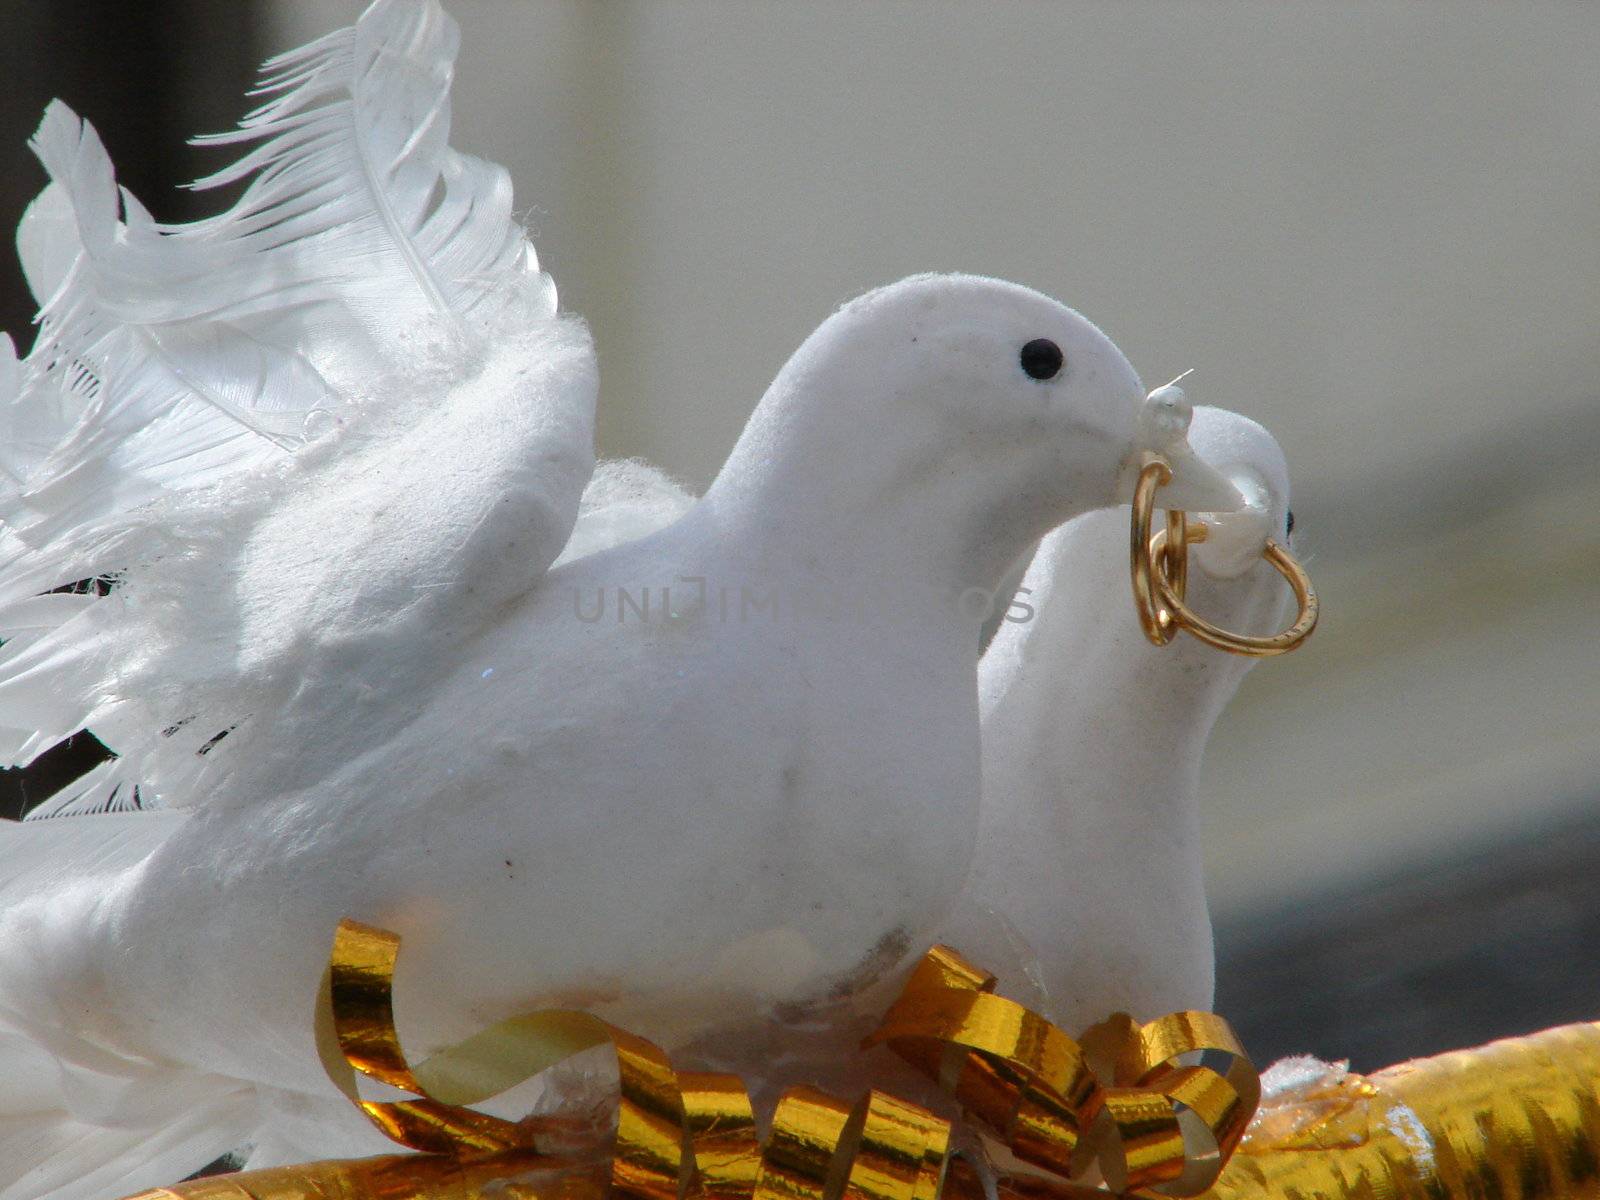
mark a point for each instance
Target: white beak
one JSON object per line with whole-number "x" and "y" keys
{"x": 1196, "y": 485}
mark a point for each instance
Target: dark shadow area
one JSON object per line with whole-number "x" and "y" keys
{"x": 1455, "y": 953}
{"x": 148, "y": 76}
{"x": 25, "y": 788}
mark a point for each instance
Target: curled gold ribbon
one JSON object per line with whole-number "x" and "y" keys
{"x": 1122, "y": 1097}
{"x": 1514, "y": 1120}
{"x": 675, "y": 1133}
{"x": 1131, "y": 1099}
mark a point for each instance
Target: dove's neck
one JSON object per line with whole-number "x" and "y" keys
{"x": 1092, "y": 743}
{"x": 816, "y": 485}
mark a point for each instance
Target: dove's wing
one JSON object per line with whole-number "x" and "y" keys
{"x": 341, "y": 417}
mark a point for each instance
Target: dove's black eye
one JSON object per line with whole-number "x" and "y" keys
{"x": 1288, "y": 526}
{"x": 1041, "y": 359}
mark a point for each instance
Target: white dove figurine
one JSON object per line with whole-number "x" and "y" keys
{"x": 1092, "y": 746}
{"x": 315, "y": 458}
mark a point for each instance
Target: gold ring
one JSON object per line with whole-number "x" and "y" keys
{"x": 1160, "y": 564}
{"x": 1158, "y": 621}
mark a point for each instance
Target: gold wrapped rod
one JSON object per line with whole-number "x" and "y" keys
{"x": 1513, "y": 1120}
{"x": 401, "y": 1177}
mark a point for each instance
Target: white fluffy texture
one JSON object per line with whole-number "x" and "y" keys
{"x": 1299, "y": 1092}
{"x": 1293, "y": 1077}
{"x": 1406, "y": 1125}
{"x": 79, "y": 1115}
{"x": 710, "y": 810}
{"x": 1088, "y": 876}
{"x": 625, "y": 500}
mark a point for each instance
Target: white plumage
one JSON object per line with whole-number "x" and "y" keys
{"x": 330, "y": 454}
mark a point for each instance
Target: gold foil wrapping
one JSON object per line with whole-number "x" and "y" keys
{"x": 400, "y": 1177}
{"x": 1514, "y": 1120}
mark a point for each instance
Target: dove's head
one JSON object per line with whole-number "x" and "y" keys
{"x": 972, "y": 406}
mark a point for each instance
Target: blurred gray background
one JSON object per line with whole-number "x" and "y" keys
{"x": 1375, "y": 227}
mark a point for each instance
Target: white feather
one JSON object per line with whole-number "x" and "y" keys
{"x": 79, "y": 1118}
{"x": 141, "y": 405}
{"x": 210, "y": 408}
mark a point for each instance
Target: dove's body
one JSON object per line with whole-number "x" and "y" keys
{"x": 703, "y": 820}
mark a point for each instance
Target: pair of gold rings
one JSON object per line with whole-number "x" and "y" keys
{"x": 1160, "y": 562}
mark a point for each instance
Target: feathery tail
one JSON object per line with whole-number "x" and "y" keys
{"x": 80, "y": 1120}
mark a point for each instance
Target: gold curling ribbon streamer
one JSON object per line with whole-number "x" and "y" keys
{"x": 1516, "y": 1119}
{"x": 1513, "y": 1120}
{"x": 677, "y": 1135}
{"x": 1124, "y": 1097}
{"x": 1129, "y": 1098}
